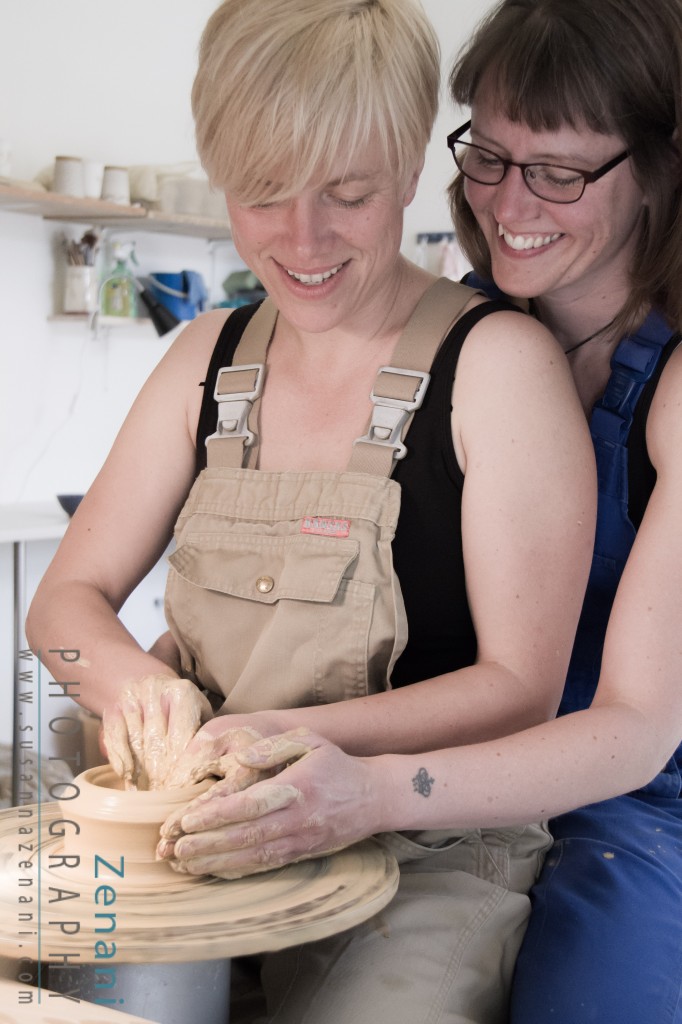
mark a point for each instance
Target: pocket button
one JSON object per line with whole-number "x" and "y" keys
{"x": 264, "y": 584}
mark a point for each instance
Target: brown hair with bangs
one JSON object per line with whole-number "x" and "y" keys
{"x": 610, "y": 66}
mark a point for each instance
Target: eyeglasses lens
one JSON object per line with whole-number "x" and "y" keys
{"x": 556, "y": 184}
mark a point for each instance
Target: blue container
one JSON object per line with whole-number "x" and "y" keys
{"x": 184, "y": 294}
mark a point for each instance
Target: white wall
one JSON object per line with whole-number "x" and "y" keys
{"x": 453, "y": 21}
{"x": 111, "y": 82}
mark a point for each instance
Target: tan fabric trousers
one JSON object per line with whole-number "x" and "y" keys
{"x": 442, "y": 952}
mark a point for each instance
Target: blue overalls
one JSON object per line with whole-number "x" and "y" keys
{"x": 604, "y": 942}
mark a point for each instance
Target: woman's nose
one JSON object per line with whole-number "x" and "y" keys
{"x": 513, "y": 199}
{"x": 306, "y": 224}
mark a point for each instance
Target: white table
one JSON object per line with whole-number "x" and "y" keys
{"x": 20, "y": 523}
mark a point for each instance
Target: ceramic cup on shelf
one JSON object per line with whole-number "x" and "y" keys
{"x": 116, "y": 185}
{"x": 68, "y": 176}
{"x": 81, "y": 290}
{"x": 94, "y": 177}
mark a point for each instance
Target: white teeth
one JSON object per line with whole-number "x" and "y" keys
{"x": 519, "y": 242}
{"x": 314, "y": 278}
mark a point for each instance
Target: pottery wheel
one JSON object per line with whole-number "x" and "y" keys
{"x": 185, "y": 919}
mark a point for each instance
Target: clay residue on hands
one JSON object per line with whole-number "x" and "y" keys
{"x": 278, "y": 751}
{"x": 208, "y": 757}
{"x": 148, "y": 729}
{"x": 235, "y": 778}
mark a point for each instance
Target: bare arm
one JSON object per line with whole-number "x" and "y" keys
{"x": 613, "y": 747}
{"x": 528, "y": 529}
{"x": 121, "y": 529}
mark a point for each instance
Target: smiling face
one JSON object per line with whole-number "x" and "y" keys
{"x": 563, "y": 252}
{"x": 329, "y": 256}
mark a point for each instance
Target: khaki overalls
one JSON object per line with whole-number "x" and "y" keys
{"x": 282, "y": 593}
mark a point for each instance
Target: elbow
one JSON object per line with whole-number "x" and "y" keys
{"x": 641, "y": 743}
{"x": 655, "y": 757}
{"x": 34, "y": 626}
{"x": 50, "y": 600}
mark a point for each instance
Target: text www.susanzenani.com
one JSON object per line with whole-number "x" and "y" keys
{"x": 38, "y": 928}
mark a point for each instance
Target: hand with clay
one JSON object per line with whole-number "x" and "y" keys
{"x": 321, "y": 801}
{"x": 210, "y": 751}
{"x": 149, "y": 727}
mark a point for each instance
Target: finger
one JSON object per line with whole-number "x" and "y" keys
{"x": 253, "y": 860}
{"x": 155, "y": 735}
{"x": 235, "y": 783}
{"x": 276, "y": 751}
{"x": 261, "y": 799}
{"x": 115, "y": 735}
{"x": 165, "y": 849}
{"x": 171, "y": 827}
{"x": 235, "y": 777}
{"x": 210, "y": 754}
{"x": 187, "y": 772}
{"x": 177, "y": 866}
{"x": 132, "y": 714}
{"x": 187, "y": 708}
{"x": 198, "y": 762}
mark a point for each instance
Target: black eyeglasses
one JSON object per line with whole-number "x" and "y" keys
{"x": 547, "y": 181}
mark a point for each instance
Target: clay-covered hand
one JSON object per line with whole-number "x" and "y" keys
{"x": 210, "y": 756}
{"x": 210, "y": 751}
{"x": 321, "y": 801}
{"x": 150, "y": 726}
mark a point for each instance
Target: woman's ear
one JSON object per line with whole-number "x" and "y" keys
{"x": 412, "y": 183}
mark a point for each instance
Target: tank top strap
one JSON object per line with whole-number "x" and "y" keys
{"x": 397, "y": 393}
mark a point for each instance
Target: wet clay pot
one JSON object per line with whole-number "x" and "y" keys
{"x": 104, "y": 822}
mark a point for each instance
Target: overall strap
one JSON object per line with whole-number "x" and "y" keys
{"x": 398, "y": 390}
{"x": 632, "y": 365}
{"x": 238, "y": 390}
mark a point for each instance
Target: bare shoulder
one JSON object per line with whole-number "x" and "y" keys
{"x": 510, "y": 350}
{"x": 183, "y": 368}
{"x": 505, "y": 333}
{"x": 513, "y": 381}
{"x": 194, "y": 345}
{"x": 664, "y": 423}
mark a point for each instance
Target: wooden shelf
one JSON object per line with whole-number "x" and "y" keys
{"x": 102, "y": 321}
{"x": 56, "y": 207}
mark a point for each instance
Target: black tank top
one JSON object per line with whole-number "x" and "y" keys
{"x": 427, "y": 549}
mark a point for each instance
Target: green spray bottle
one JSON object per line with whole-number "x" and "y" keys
{"x": 119, "y": 291}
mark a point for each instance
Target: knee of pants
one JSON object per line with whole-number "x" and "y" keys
{"x": 604, "y": 942}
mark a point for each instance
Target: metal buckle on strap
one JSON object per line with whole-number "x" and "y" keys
{"x": 234, "y": 408}
{"x": 390, "y": 415}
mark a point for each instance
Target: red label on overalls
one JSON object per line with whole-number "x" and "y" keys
{"x": 326, "y": 526}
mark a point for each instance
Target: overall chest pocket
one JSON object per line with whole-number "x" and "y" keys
{"x": 274, "y": 621}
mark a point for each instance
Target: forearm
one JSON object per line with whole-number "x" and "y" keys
{"x": 80, "y": 639}
{"x": 474, "y": 704}
{"x": 575, "y": 760}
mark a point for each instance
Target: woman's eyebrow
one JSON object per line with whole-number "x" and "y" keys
{"x": 561, "y": 159}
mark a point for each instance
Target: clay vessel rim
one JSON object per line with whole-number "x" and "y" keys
{"x": 105, "y": 779}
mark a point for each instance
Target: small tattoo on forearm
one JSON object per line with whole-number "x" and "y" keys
{"x": 422, "y": 782}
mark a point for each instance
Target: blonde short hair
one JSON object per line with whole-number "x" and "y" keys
{"x": 286, "y": 87}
